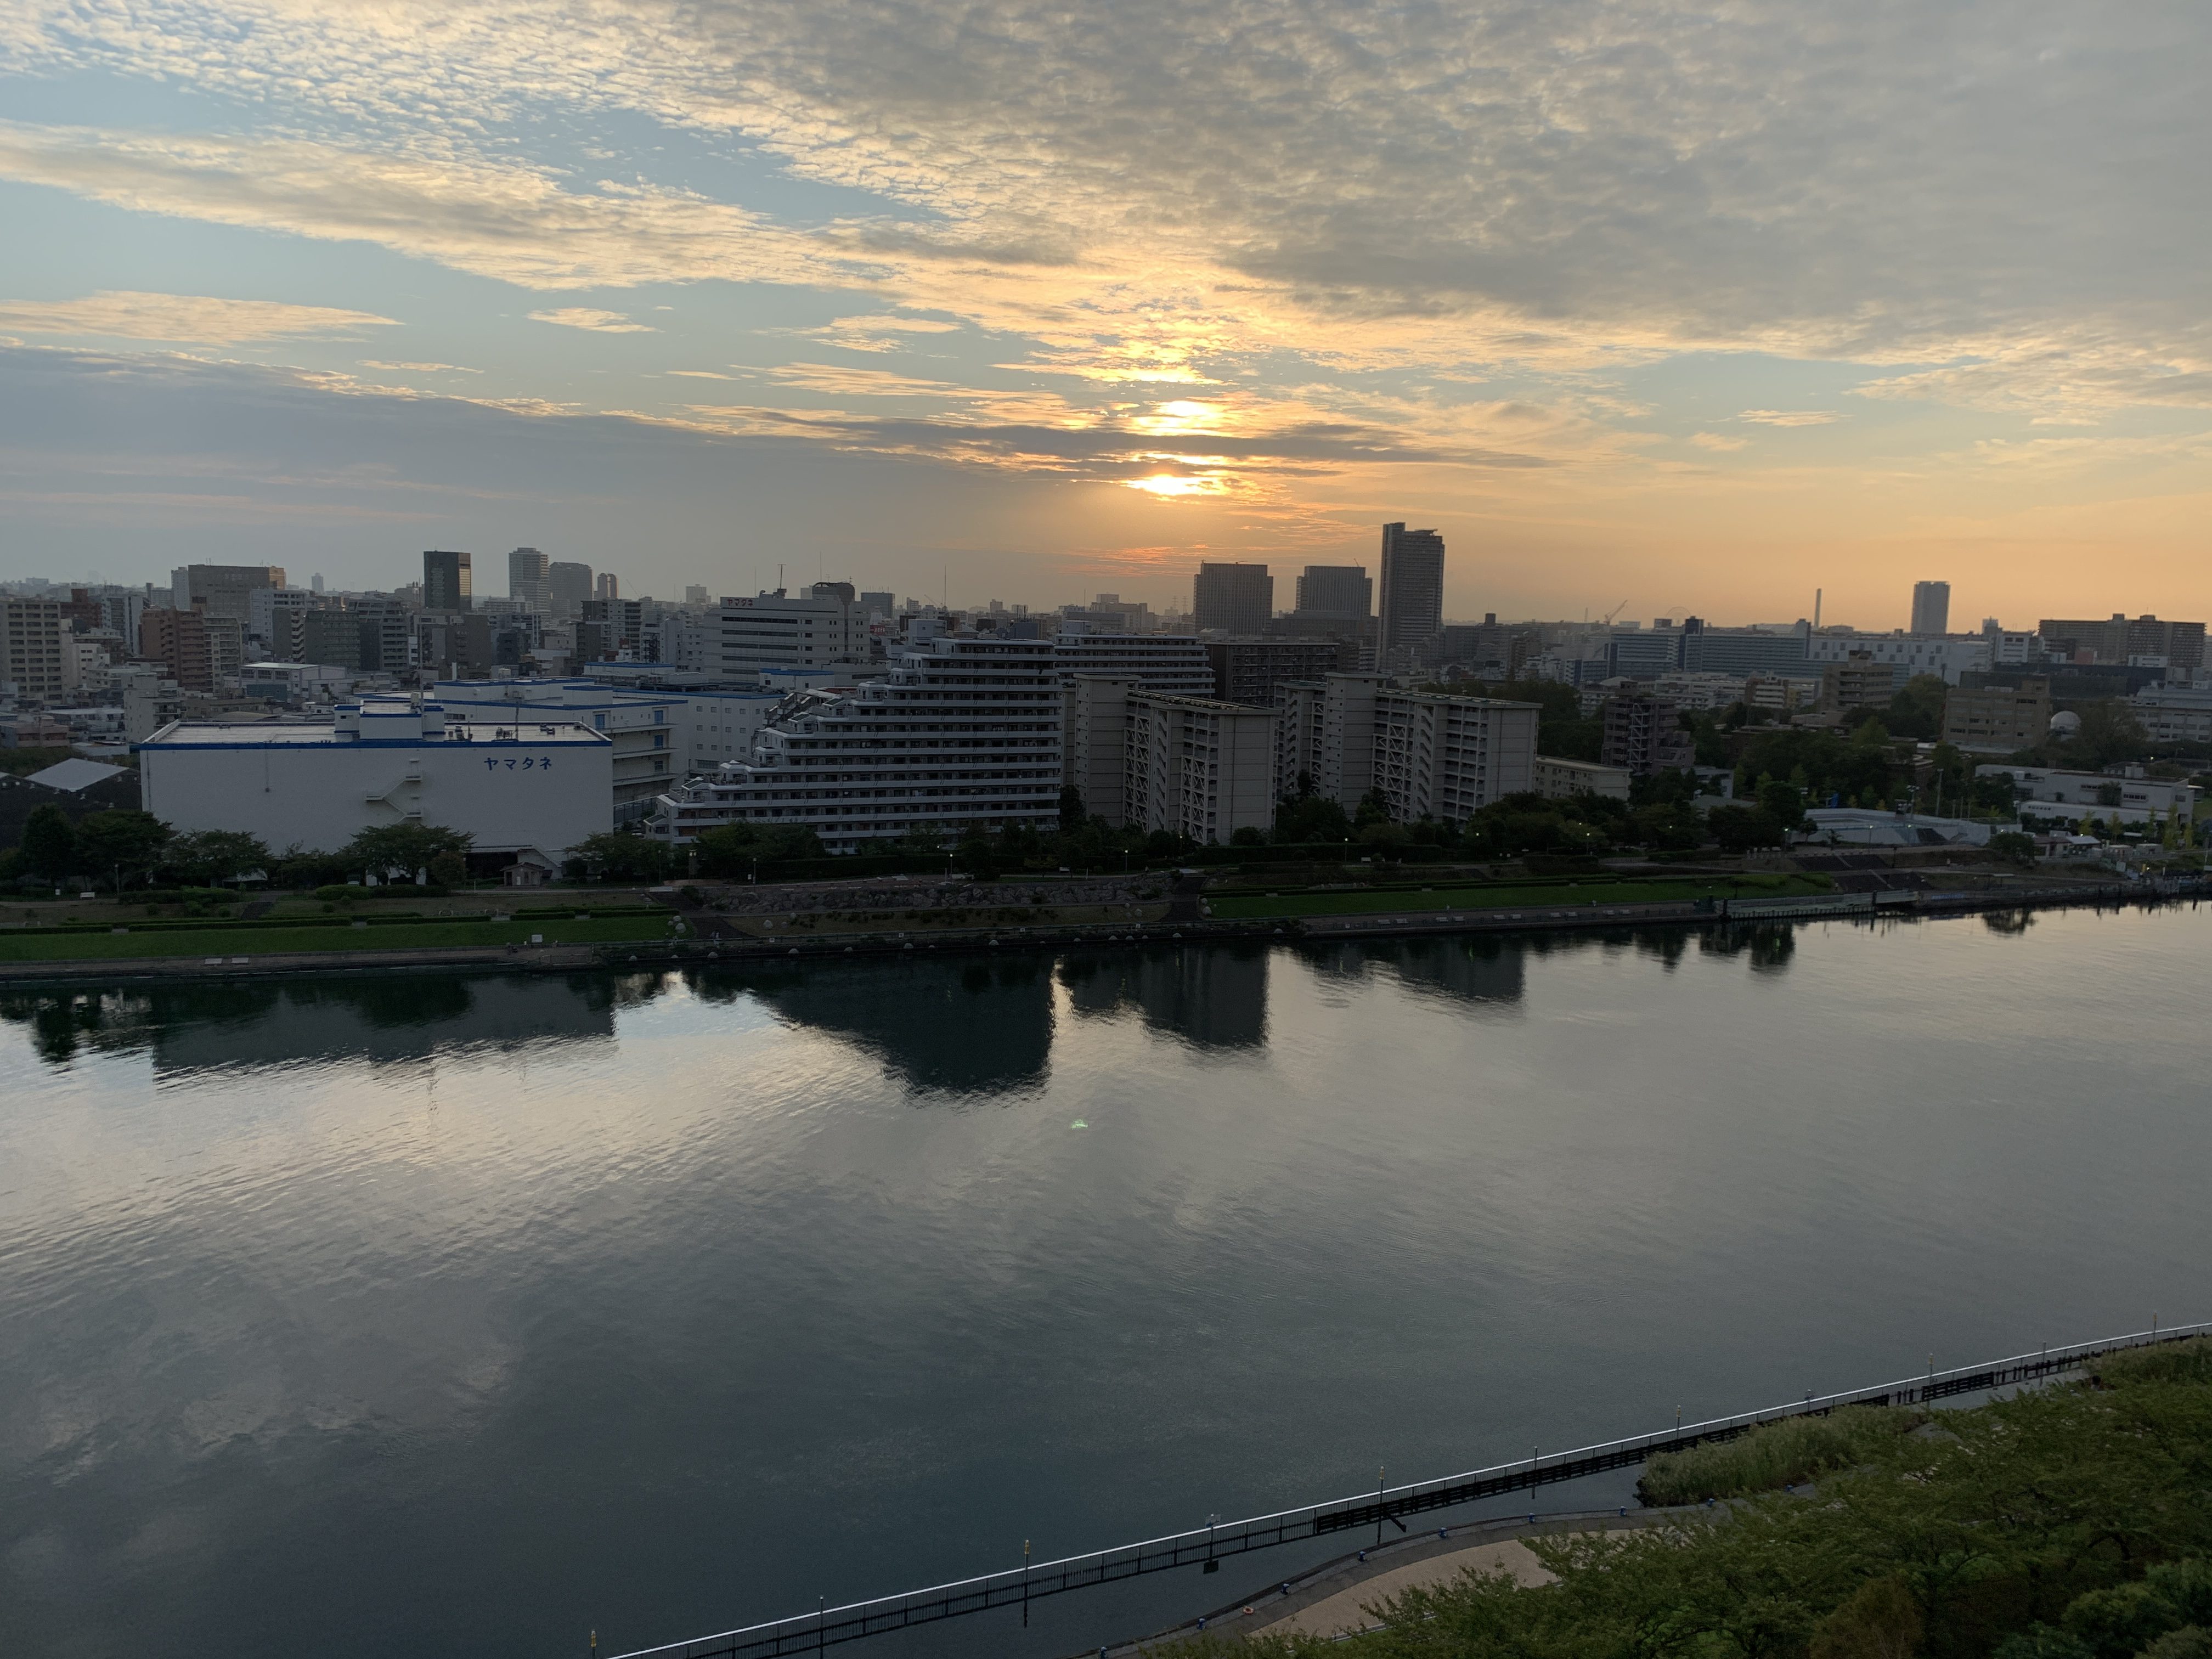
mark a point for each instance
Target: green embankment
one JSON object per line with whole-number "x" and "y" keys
{"x": 236, "y": 940}
{"x": 1550, "y": 896}
{"x": 2066, "y": 1523}
{"x": 1796, "y": 1449}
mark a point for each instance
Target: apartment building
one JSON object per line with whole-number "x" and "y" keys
{"x": 964, "y": 731}
{"x": 1158, "y": 662}
{"x": 38, "y": 655}
{"x": 1252, "y": 670}
{"x": 1431, "y": 755}
{"x": 1643, "y": 735}
{"x": 1195, "y": 767}
{"x": 201, "y": 651}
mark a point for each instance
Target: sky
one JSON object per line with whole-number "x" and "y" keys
{"x": 1659, "y": 307}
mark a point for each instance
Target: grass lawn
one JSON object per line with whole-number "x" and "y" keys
{"x": 1251, "y": 906}
{"x": 286, "y": 941}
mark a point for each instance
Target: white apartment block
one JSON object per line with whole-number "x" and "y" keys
{"x": 1158, "y": 662}
{"x": 1446, "y": 758}
{"x": 816, "y": 629}
{"x": 1432, "y": 756}
{"x": 1558, "y": 778}
{"x": 1190, "y": 766}
{"x": 517, "y": 786}
{"x": 964, "y": 731}
{"x": 1944, "y": 654}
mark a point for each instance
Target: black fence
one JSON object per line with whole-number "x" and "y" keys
{"x": 811, "y": 1632}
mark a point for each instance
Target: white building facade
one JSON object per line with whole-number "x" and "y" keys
{"x": 815, "y": 629}
{"x": 963, "y": 732}
{"x": 1157, "y": 662}
{"x": 1944, "y": 654}
{"x": 649, "y": 729}
{"x": 1190, "y": 766}
{"x": 516, "y": 786}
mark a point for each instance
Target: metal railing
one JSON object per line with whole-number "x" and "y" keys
{"x": 1016, "y": 1587}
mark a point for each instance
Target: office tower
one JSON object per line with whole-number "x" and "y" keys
{"x": 223, "y": 590}
{"x": 567, "y": 585}
{"x": 1336, "y": 591}
{"x": 525, "y": 577}
{"x": 445, "y": 581}
{"x": 1237, "y": 598}
{"x": 319, "y": 581}
{"x": 818, "y": 629}
{"x": 1931, "y": 608}
{"x": 608, "y": 587}
{"x": 695, "y": 594}
{"x": 880, "y": 605}
{"x": 1412, "y": 601}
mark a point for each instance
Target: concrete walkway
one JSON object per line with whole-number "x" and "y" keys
{"x": 1346, "y": 1609}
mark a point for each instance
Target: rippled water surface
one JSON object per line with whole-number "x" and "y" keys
{"x": 423, "y": 1315}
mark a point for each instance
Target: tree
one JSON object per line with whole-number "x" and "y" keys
{"x": 388, "y": 849}
{"x": 449, "y": 869}
{"x": 733, "y": 849}
{"x": 1374, "y": 808}
{"x": 212, "y": 858}
{"x": 121, "y": 843}
{"x": 1784, "y": 802}
{"x": 2109, "y": 733}
{"x": 625, "y": 854}
{"x": 1916, "y": 710}
{"x": 1742, "y": 829}
{"x": 49, "y": 844}
{"x": 2011, "y": 847}
{"x": 1072, "y": 815}
{"x": 1310, "y": 817}
{"x": 1247, "y": 835}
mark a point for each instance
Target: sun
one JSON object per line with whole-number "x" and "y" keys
{"x": 1169, "y": 487}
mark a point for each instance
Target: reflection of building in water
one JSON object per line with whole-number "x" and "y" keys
{"x": 1770, "y": 945}
{"x": 1213, "y": 997}
{"x": 1480, "y": 969}
{"x": 967, "y": 1028}
{"x": 188, "y": 1026}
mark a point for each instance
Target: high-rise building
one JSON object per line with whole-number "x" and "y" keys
{"x": 1336, "y": 592}
{"x": 223, "y": 590}
{"x": 878, "y": 605}
{"x": 38, "y": 656}
{"x": 695, "y": 594}
{"x": 1431, "y": 756}
{"x": 446, "y": 583}
{"x": 1156, "y": 662}
{"x": 201, "y": 652}
{"x": 566, "y": 586}
{"x": 527, "y": 580}
{"x": 963, "y": 732}
{"x": 1237, "y": 598}
{"x": 818, "y": 629}
{"x": 1411, "y": 600}
{"x": 274, "y": 617}
{"x": 2123, "y": 640}
{"x": 1931, "y": 608}
{"x": 1252, "y": 672}
{"x": 1191, "y": 765}
{"x": 608, "y": 587}
{"x": 1644, "y": 734}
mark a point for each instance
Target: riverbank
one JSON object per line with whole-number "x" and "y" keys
{"x": 629, "y": 944}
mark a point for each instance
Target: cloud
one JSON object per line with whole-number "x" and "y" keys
{"x": 600, "y": 322}
{"x": 1718, "y": 441}
{"x": 698, "y": 374}
{"x": 419, "y": 369}
{"x": 870, "y": 333}
{"x": 123, "y": 315}
{"x": 1790, "y": 416}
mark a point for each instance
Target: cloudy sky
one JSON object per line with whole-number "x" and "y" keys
{"x": 1682, "y": 306}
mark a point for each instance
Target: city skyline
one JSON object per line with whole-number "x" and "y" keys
{"x": 1630, "y": 306}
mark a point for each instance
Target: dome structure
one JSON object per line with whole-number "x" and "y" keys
{"x": 2065, "y": 723}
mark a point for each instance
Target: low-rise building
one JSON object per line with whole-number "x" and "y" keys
{"x": 649, "y": 730}
{"x": 518, "y": 786}
{"x": 2046, "y": 791}
{"x": 1860, "y": 680}
{"x": 1556, "y": 779}
{"x": 2174, "y": 714}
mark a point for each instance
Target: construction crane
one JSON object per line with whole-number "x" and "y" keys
{"x": 1607, "y": 618}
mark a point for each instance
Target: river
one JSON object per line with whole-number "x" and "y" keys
{"x": 435, "y": 1313}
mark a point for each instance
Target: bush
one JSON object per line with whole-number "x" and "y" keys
{"x": 2011, "y": 847}
{"x": 1796, "y": 1449}
{"x": 2188, "y": 1362}
{"x": 338, "y": 893}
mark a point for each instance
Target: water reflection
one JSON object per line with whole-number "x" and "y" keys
{"x": 948, "y": 1027}
{"x": 406, "y": 1017}
{"x": 1768, "y": 946}
{"x": 1211, "y": 998}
